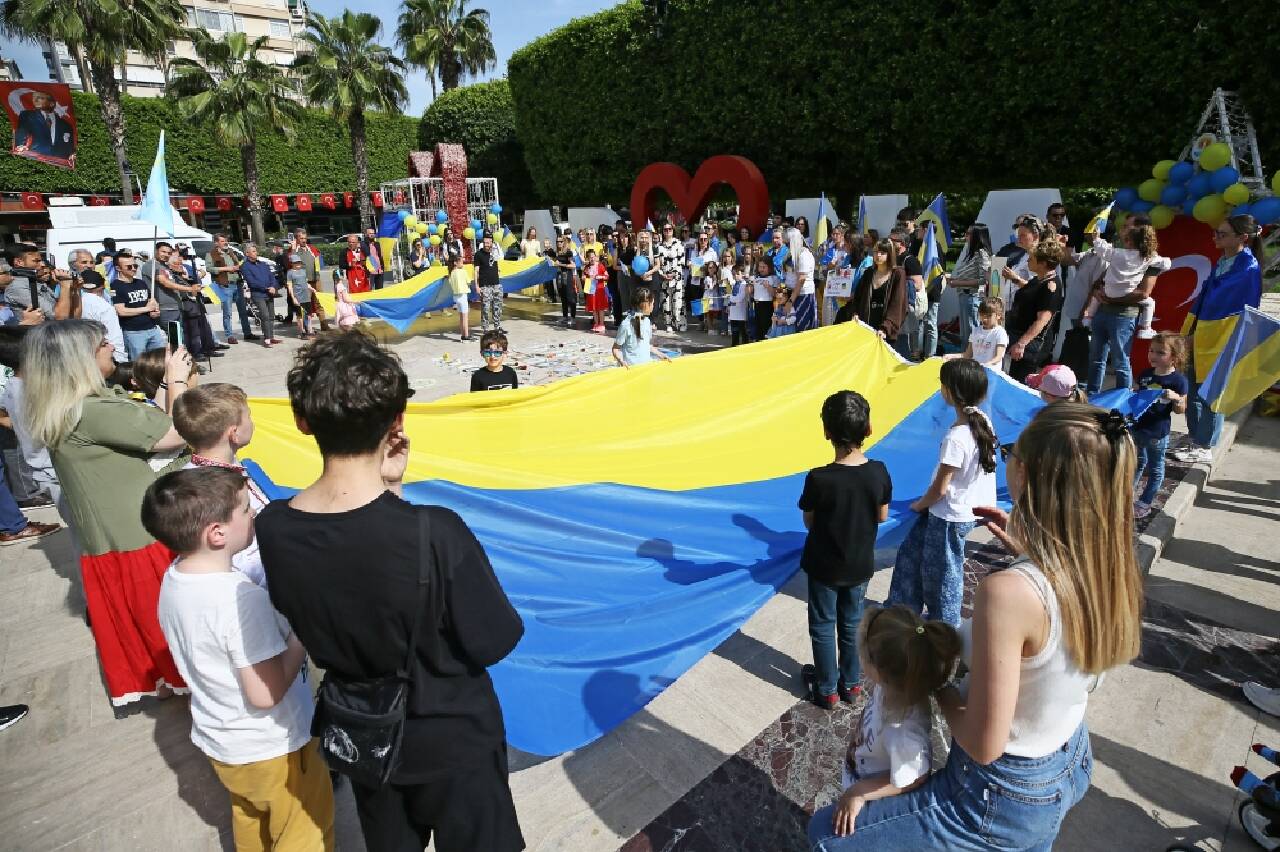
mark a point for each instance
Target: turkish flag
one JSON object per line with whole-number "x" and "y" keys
{"x": 348, "y": 199}
{"x": 303, "y": 203}
{"x": 195, "y": 204}
{"x": 377, "y": 198}
{"x": 99, "y": 201}
{"x": 224, "y": 204}
{"x": 327, "y": 200}
{"x": 279, "y": 203}
{"x": 32, "y": 201}
{"x": 399, "y": 196}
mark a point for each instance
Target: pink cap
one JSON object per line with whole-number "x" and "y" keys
{"x": 1055, "y": 380}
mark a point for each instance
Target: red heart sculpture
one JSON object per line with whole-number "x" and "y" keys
{"x": 691, "y": 195}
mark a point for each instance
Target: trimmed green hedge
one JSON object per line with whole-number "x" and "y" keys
{"x": 482, "y": 118}
{"x": 319, "y": 161}
{"x": 869, "y": 97}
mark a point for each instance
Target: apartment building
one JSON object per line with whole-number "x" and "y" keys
{"x": 9, "y": 70}
{"x": 281, "y": 21}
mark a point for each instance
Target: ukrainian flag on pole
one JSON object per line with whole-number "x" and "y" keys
{"x": 1098, "y": 224}
{"x": 930, "y": 257}
{"x": 862, "y": 214}
{"x": 936, "y": 213}
{"x": 155, "y": 207}
{"x": 821, "y": 227}
{"x": 1247, "y": 365}
{"x": 1222, "y": 300}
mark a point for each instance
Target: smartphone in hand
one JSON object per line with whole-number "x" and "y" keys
{"x": 174, "y": 329}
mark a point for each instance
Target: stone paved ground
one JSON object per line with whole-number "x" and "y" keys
{"x": 727, "y": 758}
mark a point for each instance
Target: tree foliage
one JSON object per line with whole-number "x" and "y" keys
{"x": 872, "y": 97}
{"x": 481, "y": 117}
{"x": 446, "y": 39}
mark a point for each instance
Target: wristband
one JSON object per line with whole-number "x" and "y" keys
{"x": 175, "y": 381}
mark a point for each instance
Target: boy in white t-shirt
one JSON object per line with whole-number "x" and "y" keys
{"x": 738, "y": 299}
{"x": 987, "y": 342}
{"x": 250, "y": 708}
{"x": 214, "y": 420}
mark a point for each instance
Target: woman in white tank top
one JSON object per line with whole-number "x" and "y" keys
{"x": 1020, "y": 756}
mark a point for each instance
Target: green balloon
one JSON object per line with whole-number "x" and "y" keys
{"x": 1149, "y": 190}
{"x": 1161, "y": 170}
{"x": 1215, "y": 156}
{"x": 1235, "y": 194}
{"x": 1211, "y": 210}
{"x": 1161, "y": 216}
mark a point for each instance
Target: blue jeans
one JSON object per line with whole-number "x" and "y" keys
{"x": 928, "y": 574}
{"x": 11, "y": 518}
{"x": 232, "y": 294}
{"x": 1110, "y": 333}
{"x": 1013, "y": 803}
{"x": 968, "y": 315}
{"x": 1203, "y": 423}
{"x": 834, "y": 615}
{"x": 929, "y": 343}
{"x": 137, "y": 342}
{"x": 1151, "y": 459}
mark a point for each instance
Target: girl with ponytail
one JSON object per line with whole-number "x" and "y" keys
{"x": 904, "y": 660}
{"x": 634, "y": 343}
{"x": 929, "y": 571}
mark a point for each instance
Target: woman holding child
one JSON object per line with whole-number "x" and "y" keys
{"x": 101, "y": 442}
{"x": 1020, "y": 756}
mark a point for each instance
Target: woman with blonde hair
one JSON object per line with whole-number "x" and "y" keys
{"x": 1043, "y": 633}
{"x": 100, "y": 442}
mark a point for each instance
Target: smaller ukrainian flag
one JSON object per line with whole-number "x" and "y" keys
{"x": 1246, "y": 366}
{"x": 936, "y": 213}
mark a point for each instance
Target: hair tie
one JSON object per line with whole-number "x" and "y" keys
{"x": 920, "y": 629}
{"x": 1113, "y": 424}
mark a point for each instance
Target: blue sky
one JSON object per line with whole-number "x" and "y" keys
{"x": 514, "y": 24}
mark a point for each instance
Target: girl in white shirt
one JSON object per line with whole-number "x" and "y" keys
{"x": 763, "y": 284}
{"x": 904, "y": 659}
{"x": 738, "y": 299}
{"x": 1126, "y": 267}
{"x": 988, "y": 342}
{"x": 929, "y": 571}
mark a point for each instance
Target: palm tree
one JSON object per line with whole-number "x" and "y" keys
{"x": 446, "y": 38}
{"x": 239, "y": 97}
{"x": 99, "y": 31}
{"x": 344, "y": 70}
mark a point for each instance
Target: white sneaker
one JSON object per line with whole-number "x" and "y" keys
{"x": 1146, "y": 333}
{"x": 1194, "y": 455}
{"x": 1266, "y": 700}
{"x": 1140, "y": 509}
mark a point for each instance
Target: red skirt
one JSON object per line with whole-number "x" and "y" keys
{"x": 599, "y": 300}
{"x": 122, "y": 591}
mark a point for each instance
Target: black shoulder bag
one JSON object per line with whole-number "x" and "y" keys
{"x": 360, "y": 723}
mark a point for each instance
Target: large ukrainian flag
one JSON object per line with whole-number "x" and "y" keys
{"x": 637, "y": 518}
{"x": 1233, "y": 285}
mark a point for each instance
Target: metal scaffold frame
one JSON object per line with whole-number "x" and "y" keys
{"x": 1226, "y": 118}
{"x": 424, "y": 196}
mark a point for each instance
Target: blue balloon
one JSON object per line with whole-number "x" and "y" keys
{"x": 402, "y": 215}
{"x": 432, "y": 227}
{"x": 1242, "y": 210}
{"x": 1181, "y": 172}
{"x": 1198, "y": 186}
{"x": 640, "y": 265}
{"x": 1171, "y": 195}
{"x": 1126, "y": 198}
{"x": 495, "y": 208}
{"x": 1222, "y": 178}
{"x": 1266, "y": 210}
{"x": 1141, "y": 206}
{"x": 477, "y": 225}
{"x": 442, "y": 216}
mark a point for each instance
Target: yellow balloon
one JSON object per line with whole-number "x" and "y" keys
{"x": 1235, "y": 194}
{"x": 421, "y": 228}
{"x": 1211, "y": 210}
{"x": 1161, "y": 216}
{"x": 411, "y": 221}
{"x": 1275, "y": 183}
{"x": 435, "y": 239}
{"x": 1161, "y": 170}
{"x": 492, "y": 218}
{"x": 469, "y": 232}
{"x": 1149, "y": 190}
{"x": 1215, "y": 156}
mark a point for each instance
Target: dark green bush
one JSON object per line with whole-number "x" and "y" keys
{"x": 849, "y": 98}
{"x": 482, "y": 119}
{"x": 319, "y": 161}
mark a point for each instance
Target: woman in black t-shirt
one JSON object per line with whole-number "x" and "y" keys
{"x": 880, "y": 297}
{"x": 1032, "y": 323}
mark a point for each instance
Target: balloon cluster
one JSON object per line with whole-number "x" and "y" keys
{"x": 1210, "y": 193}
{"x": 434, "y": 231}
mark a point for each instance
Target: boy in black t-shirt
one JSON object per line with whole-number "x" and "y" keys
{"x": 843, "y": 504}
{"x": 494, "y": 375}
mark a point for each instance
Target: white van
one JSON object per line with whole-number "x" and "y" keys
{"x": 76, "y": 226}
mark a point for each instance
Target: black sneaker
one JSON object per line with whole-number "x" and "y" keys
{"x": 11, "y": 714}
{"x": 40, "y": 501}
{"x": 251, "y": 337}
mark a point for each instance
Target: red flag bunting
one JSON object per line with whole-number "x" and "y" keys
{"x": 327, "y": 200}
{"x": 303, "y": 203}
{"x": 195, "y": 204}
{"x": 224, "y": 204}
{"x": 32, "y": 201}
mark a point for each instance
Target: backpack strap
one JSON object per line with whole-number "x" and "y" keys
{"x": 424, "y": 564}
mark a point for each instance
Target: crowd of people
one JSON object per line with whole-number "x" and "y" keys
{"x": 195, "y": 581}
